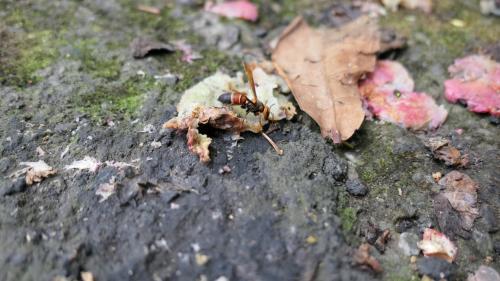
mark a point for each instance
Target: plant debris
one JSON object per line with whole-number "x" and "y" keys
{"x": 362, "y": 257}
{"x": 188, "y": 55}
{"x": 382, "y": 240}
{"x": 442, "y": 149}
{"x": 142, "y": 47}
{"x": 87, "y": 163}
{"x": 461, "y": 191}
{"x": 106, "y": 189}
{"x": 322, "y": 68}
{"x": 36, "y": 171}
{"x": 201, "y": 259}
{"x": 241, "y": 9}
{"x": 389, "y": 95}
{"x": 484, "y": 273}
{"x": 436, "y": 244}
{"x": 199, "y": 105}
{"x": 475, "y": 82}
{"x": 149, "y": 9}
{"x": 448, "y": 219}
{"x": 87, "y": 276}
{"x": 424, "y": 5}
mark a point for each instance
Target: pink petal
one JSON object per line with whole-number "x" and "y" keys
{"x": 389, "y": 95}
{"x": 234, "y": 9}
{"x": 476, "y": 82}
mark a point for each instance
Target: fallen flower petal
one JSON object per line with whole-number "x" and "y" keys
{"x": 188, "y": 55}
{"x": 322, "y": 68}
{"x": 88, "y": 163}
{"x": 461, "y": 191}
{"x": 37, "y": 171}
{"x": 475, "y": 82}
{"x": 436, "y": 244}
{"x": 388, "y": 92}
{"x": 234, "y": 9}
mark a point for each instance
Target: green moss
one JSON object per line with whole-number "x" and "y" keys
{"x": 440, "y": 40}
{"x": 368, "y": 175}
{"x": 94, "y": 63}
{"x": 348, "y": 217}
{"x": 23, "y": 56}
{"x": 165, "y": 26}
{"x": 117, "y": 101}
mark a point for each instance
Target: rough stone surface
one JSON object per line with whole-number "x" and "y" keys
{"x": 408, "y": 244}
{"x": 70, "y": 85}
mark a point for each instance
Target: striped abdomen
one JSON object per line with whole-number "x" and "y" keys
{"x": 232, "y": 98}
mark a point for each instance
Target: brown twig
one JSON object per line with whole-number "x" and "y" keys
{"x": 273, "y": 144}
{"x": 149, "y": 9}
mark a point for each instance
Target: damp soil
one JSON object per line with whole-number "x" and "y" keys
{"x": 70, "y": 86}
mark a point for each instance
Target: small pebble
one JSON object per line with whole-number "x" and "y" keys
{"x": 356, "y": 188}
{"x": 436, "y": 268}
{"x": 408, "y": 244}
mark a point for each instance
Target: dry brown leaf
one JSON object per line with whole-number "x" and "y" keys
{"x": 461, "y": 191}
{"x": 442, "y": 149}
{"x": 217, "y": 117}
{"x": 37, "y": 171}
{"x": 362, "y": 257}
{"x": 322, "y": 68}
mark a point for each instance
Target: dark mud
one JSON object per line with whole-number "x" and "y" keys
{"x": 68, "y": 80}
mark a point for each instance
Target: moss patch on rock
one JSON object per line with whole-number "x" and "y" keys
{"x": 115, "y": 101}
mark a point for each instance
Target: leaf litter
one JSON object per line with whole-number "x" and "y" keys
{"x": 322, "y": 68}
{"x": 200, "y": 105}
{"x": 36, "y": 171}
{"x": 363, "y": 258}
{"x": 87, "y": 163}
{"x": 443, "y": 150}
{"x": 461, "y": 192}
{"x": 389, "y": 95}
